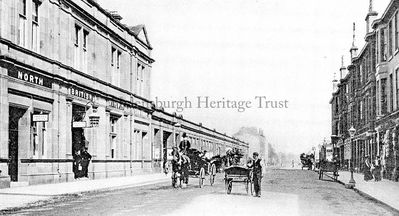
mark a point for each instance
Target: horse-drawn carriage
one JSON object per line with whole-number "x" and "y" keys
{"x": 238, "y": 174}
{"x": 306, "y": 160}
{"x": 193, "y": 163}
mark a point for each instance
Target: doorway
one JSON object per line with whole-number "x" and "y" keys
{"x": 14, "y": 116}
{"x": 166, "y": 137}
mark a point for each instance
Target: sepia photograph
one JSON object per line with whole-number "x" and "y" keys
{"x": 199, "y": 107}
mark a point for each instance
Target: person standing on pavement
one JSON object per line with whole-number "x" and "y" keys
{"x": 86, "y": 158}
{"x": 184, "y": 144}
{"x": 367, "y": 169}
{"x": 257, "y": 173}
{"x": 77, "y": 164}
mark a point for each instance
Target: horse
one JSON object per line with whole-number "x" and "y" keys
{"x": 180, "y": 167}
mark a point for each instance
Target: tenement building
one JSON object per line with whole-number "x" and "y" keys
{"x": 373, "y": 97}
{"x": 72, "y": 75}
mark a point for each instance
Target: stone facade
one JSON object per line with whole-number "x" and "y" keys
{"x": 72, "y": 76}
{"x": 371, "y": 101}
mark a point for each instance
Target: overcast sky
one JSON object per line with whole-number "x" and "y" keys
{"x": 240, "y": 49}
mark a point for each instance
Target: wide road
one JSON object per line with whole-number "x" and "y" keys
{"x": 284, "y": 192}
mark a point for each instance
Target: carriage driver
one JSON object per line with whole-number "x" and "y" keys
{"x": 257, "y": 173}
{"x": 184, "y": 144}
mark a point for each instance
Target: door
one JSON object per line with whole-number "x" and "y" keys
{"x": 165, "y": 147}
{"x": 14, "y": 116}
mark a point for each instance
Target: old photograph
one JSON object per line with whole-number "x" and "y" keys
{"x": 199, "y": 107}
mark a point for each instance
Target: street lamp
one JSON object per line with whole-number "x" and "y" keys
{"x": 351, "y": 183}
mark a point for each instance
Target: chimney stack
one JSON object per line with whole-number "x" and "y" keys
{"x": 353, "y": 49}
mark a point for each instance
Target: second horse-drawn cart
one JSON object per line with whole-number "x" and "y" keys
{"x": 193, "y": 164}
{"x": 238, "y": 174}
{"x": 328, "y": 166}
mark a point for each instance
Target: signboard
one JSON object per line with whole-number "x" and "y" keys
{"x": 30, "y": 76}
{"x": 40, "y": 117}
{"x": 78, "y": 92}
{"x": 115, "y": 105}
{"x": 79, "y": 124}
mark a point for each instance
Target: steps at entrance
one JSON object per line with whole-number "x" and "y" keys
{"x": 18, "y": 184}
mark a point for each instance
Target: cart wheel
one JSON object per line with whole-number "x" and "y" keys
{"x": 212, "y": 174}
{"x": 246, "y": 186}
{"x": 229, "y": 187}
{"x": 174, "y": 179}
{"x": 201, "y": 177}
{"x": 320, "y": 174}
{"x": 251, "y": 186}
{"x": 226, "y": 184}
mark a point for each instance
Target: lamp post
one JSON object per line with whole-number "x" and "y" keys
{"x": 351, "y": 183}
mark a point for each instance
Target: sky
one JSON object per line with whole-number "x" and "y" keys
{"x": 239, "y": 50}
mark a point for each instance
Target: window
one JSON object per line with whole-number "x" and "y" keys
{"x": 77, "y": 46}
{"x": 140, "y": 79}
{"x": 361, "y": 110}
{"x": 84, "y": 49}
{"x": 35, "y": 26}
{"x": 390, "y": 38}
{"x": 81, "y": 48}
{"x": 39, "y": 134}
{"x": 383, "y": 96}
{"x": 378, "y": 97}
{"x": 396, "y": 31}
{"x": 22, "y": 22}
{"x": 113, "y": 135}
{"x": 390, "y": 92}
{"x": 383, "y": 45}
{"x": 115, "y": 66}
{"x": 397, "y": 87}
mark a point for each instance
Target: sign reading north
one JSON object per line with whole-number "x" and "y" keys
{"x": 30, "y": 76}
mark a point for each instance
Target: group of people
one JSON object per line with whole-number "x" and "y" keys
{"x": 372, "y": 169}
{"x": 81, "y": 161}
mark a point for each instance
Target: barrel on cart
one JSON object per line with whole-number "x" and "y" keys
{"x": 238, "y": 174}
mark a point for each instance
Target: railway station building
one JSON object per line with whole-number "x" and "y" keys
{"x": 72, "y": 75}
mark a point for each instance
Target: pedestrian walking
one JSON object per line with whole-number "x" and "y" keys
{"x": 367, "y": 167}
{"x": 257, "y": 173}
{"x": 184, "y": 144}
{"x": 86, "y": 158}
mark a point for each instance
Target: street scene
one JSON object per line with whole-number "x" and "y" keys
{"x": 285, "y": 192}
{"x": 200, "y": 107}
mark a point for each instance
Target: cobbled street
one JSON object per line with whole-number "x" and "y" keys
{"x": 284, "y": 192}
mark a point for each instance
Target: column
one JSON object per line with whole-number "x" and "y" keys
{"x": 4, "y": 107}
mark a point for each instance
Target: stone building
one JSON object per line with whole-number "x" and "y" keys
{"x": 73, "y": 75}
{"x": 372, "y": 95}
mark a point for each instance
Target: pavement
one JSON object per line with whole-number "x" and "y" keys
{"x": 384, "y": 191}
{"x": 19, "y": 197}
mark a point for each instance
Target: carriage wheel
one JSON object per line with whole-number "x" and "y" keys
{"x": 212, "y": 174}
{"x": 251, "y": 180}
{"x": 320, "y": 174}
{"x": 229, "y": 186}
{"x": 247, "y": 185}
{"x": 201, "y": 177}
{"x": 174, "y": 179}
